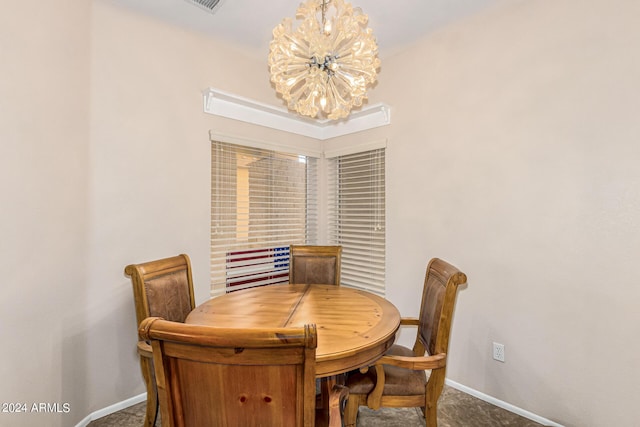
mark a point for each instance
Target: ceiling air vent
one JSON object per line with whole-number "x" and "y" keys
{"x": 208, "y": 5}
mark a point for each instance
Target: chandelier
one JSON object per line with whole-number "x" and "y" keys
{"x": 325, "y": 65}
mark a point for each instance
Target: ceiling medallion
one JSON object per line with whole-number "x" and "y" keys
{"x": 323, "y": 67}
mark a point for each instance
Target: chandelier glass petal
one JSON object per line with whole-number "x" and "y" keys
{"x": 323, "y": 67}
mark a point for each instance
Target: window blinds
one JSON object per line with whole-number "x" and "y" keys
{"x": 261, "y": 202}
{"x": 357, "y": 217}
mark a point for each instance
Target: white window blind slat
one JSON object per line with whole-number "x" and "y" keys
{"x": 356, "y": 216}
{"x": 264, "y": 282}
{"x": 254, "y": 273}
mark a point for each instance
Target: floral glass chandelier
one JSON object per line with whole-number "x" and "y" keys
{"x": 323, "y": 67}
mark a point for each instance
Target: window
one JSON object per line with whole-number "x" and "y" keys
{"x": 262, "y": 201}
{"x": 357, "y": 217}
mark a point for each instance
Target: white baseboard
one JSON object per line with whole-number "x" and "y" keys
{"x": 111, "y": 409}
{"x": 501, "y": 404}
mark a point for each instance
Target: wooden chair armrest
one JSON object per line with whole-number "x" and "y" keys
{"x": 374, "y": 398}
{"x": 409, "y": 321}
{"x": 144, "y": 349}
{"x": 415, "y": 363}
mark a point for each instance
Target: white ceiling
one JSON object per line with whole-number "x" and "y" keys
{"x": 249, "y": 23}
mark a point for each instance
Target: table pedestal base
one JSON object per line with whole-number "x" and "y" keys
{"x": 329, "y": 402}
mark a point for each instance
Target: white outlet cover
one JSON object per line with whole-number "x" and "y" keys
{"x": 498, "y": 352}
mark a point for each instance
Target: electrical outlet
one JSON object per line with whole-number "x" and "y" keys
{"x": 498, "y": 352}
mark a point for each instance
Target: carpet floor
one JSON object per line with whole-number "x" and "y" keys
{"x": 455, "y": 409}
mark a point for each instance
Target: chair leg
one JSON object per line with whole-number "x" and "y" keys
{"x": 431, "y": 417}
{"x": 435, "y": 384}
{"x": 146, "y": 365}
{"x": 350, "y": 416}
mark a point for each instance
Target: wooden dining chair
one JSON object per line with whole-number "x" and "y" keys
{"x": 314, "y": 264}
{"x": 162, "y": 288}
{"x": 210, "y": 376}
{"x": 399, "y": 379}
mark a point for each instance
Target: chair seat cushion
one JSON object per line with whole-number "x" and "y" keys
{"x": 398, "y": 381}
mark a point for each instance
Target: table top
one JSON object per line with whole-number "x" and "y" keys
{"x": 355, "y": 327}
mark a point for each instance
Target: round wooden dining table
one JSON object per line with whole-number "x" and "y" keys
{"x": 355, "y": 327}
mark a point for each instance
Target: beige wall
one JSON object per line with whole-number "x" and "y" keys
{"x": 44, "y": 132}
{"x": 513, "y": 153}
{"x": 518, "y": 126}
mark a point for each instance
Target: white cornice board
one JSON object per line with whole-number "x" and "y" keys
{"x": 236, "y": 107}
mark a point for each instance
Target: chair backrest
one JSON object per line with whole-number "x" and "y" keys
{"x": 162, "y": 288}
{"x": 314, "y": 265}
{"x": 208, "y": 376}
{"x": 438, "y": 300}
